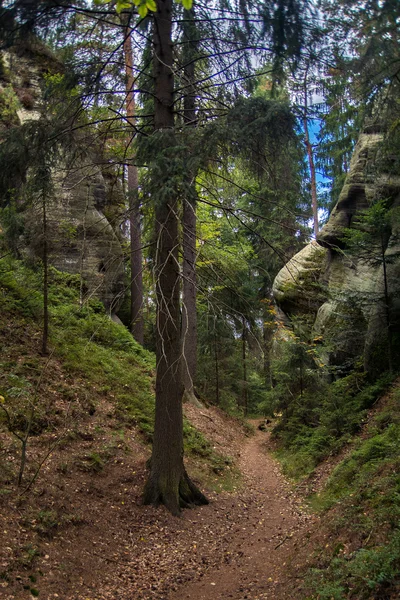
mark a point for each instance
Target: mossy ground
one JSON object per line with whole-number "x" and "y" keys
{"x": 91, "y": 360}
{"x": 358, "y": 501}
{"x": 88, "y": 407}
{"x": 362, "y": 499}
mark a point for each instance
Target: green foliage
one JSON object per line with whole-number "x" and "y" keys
{"x": 12, "y": 224}
{"x": 28, "y": 556}
{"x": 367, "y": 486}
{"x": 91, "y": 345}
{"x": 324, "y": 419}
{"x": 370, "y": 231}
{"x": 249, "y": 217}
{"x": 259, "y": 127}
{"x": 143, "y": 6}
{"x": 100, "y": 354}
{"x": 46, "y": 522}
{"x": 93, "y": 462}
{"x": 373, "y": 238}
{"x": 341, "y": 123}
{"x": 296, "y": 372}
{"x": 9, "y": 105}
{"x": 366, "y": 574}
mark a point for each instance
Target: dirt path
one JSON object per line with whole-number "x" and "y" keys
{"x": 270, "y": 525}
{"x": 86, "y": 535}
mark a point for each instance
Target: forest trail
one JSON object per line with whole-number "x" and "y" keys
{"x": 270, "y": 527}
{"x": 93, "y": 539}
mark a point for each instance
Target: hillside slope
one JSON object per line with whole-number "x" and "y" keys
{"x": 75, "y": 527}
{"x": 75, "y": 428}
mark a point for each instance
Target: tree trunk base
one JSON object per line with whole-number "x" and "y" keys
{"x": 174, "y": 496}
{"x": 190, "y": 397}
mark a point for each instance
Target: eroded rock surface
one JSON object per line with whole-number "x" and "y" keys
{"x": 83, "y": 227}
{"x": 344, "y": 294}
{"x": 297, "y": 287}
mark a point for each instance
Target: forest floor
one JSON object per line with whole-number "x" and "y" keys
{"x": 81, "y": 533}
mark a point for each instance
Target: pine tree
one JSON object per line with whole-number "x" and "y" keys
{"x": 235, "y": 29}
{"x": 168, "y": 481}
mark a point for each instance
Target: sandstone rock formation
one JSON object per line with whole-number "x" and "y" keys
{"x": 342, "y": 294}
{"x": 297, "y": 287}
{"x": 81, "y": 238}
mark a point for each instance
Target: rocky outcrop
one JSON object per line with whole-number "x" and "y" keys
{"x": 347, "y": 296}
{"x": 81, "y": 239}
{"x": 82, "y": 208}
{"x": 297, "y": 287}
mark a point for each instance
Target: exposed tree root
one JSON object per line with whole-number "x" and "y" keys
{"x": 173, "y": 495}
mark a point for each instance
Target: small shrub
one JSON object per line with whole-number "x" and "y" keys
{"x": 28, "y": 555}
{"x": 93, "y": 462}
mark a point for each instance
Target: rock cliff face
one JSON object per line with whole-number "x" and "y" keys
{"x": 342, "y": 294}
{"x": 81, "y": 239}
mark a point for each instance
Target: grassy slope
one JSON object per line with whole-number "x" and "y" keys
{"x": 359, "y": 556}
{"x": 362, "y": 503}
{"x": 95, "y": 363}
{"x": 92, "y": 360}
{"x": 89, "y": 408}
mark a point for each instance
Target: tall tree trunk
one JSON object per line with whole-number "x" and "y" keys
{"x": 245, "y": 399}
{"x": 310, "y": 155}
{"x": 216, "y": 357}
{"x": 189, "y": 312}
{"x": 168, "y": 481}
{"x": 45, "y": 282}
{"x": 136, "y": 284}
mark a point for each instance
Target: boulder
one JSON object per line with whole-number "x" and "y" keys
{"x": 298, "y": 287}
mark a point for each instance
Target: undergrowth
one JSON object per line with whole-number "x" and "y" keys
{"x": 321, "y": 422}
{"x": 363, "y": 494}
{"x": 361, "y": 500}
{"x": 100, "y": 354}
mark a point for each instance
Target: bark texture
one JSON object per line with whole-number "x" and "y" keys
{"x": 189, "y": 314}
{"x": 168, "y": 481}
{"x": 189, "y": 311}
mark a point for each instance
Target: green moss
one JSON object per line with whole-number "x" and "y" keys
{"x": 9, "y": 105}
{"x": 364, "y": 490}
{"x": 100, "y": 354}
{"x": 5, "y": 73}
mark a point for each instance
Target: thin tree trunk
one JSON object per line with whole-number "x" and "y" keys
{"x": 168, "y": 482}
{"x": 268, "y": 336}
{"x": 387, "y": 308}
{"x": 244, "y": 362}
{"x": 45, "y": 283}
{"x": 100, "y": 60}
{"x": 189, "y": 311}
{"x": 217, "y": 399}
{"x": 310, "y": 155}
{"x": 136, "y": 284}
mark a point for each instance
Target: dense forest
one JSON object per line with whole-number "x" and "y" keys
{"x": 199, "y": 215}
